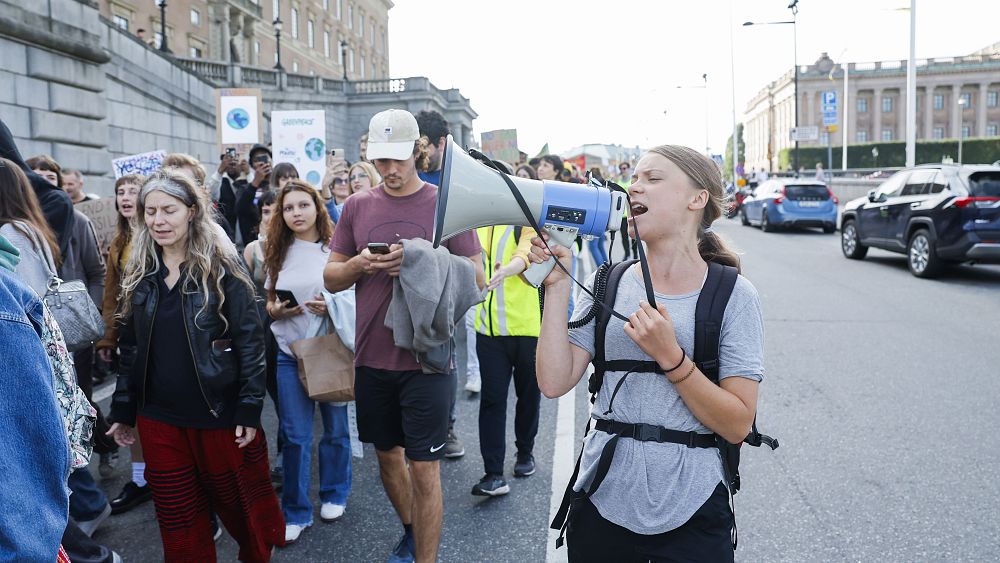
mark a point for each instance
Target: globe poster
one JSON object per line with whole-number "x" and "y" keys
{"x": 299, "y": 138}
{"x": 238, "y": 118}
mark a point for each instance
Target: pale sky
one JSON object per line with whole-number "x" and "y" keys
{"x": 570, "y": 72}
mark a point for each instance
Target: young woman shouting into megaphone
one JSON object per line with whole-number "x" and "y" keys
{"x": 650, "y": 496}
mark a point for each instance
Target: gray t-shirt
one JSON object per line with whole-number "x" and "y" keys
{"x": 654, "y": 487}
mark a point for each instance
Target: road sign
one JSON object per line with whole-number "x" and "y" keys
{"x": 831, "y": 128}
{"x": 829, "y": 98}
{"x": 806, "y": 133}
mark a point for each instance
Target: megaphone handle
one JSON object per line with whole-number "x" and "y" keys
{"x": 538, "y": 272}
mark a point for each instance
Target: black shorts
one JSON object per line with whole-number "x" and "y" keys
{"x": 706, "y": 536}
{"x": 404, "y": 408}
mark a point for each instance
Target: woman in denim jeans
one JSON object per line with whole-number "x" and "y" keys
{"x": 296, "y": 251}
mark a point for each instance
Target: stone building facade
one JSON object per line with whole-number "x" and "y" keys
{"x": 877, "y": 103}
{"x": 83, "y": 90}
{"x": 243, "y": 32}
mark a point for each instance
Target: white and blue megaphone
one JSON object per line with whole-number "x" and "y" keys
{"x": 472, "y": 195}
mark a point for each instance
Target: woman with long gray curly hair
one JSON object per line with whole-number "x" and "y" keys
{"x": 192, "y": 377}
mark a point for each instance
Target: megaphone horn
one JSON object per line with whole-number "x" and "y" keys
{"x": 472, "y": 195}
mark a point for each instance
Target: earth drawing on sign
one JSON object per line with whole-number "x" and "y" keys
{"x": 315, "y": 148}
{"x": 238, "y": 118}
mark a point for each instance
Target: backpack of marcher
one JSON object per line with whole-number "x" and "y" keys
{"x": 709, "y": 312}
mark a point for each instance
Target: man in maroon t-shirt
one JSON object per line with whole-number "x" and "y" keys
{"x": 400, "y": 408}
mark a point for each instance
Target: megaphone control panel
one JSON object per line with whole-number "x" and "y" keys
{"x": 566, "y": 215}
{"x": 577, "y": 205}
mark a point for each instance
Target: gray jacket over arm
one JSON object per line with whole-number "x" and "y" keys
{"x": 432, "y": 293}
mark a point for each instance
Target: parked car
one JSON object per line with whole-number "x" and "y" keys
{"x": 936, "y": 214}
{"x": 791, "y": 202}
{"x": 736, "y": 202}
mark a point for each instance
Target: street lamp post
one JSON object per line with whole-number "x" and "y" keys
{"x": 708, "y": 148}
{"x": 961, "y": 133}
{"x": 704, "y": 85}
{"x": 732, "y": 89}
{"x": 793, "y": 5}
{"x": 911, "y": 90}
{"x": 277, "y": 40}
{"x": 163, "y": 27}
{"x": 847, "y": 112}
{"x": 343, "y": 57}
{"x": 875, "y": 155}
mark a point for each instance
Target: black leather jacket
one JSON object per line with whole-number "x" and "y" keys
{"x": 229, "y": 363}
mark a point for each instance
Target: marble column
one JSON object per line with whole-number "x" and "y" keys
{"x": 929, "y": 111}
{"x": 876, "y": 108}
{"x": 980, "y": 131}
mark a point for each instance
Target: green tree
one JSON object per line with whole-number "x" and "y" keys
{"x": 727, "y": 169}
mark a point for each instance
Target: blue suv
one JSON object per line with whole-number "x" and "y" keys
{"x": 790, "y": 202}
{"x": 936, "y": 214}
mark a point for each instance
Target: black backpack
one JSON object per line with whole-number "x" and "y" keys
{"x": 709, "y": 313}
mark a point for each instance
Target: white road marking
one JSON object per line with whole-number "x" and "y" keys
{"x": 104, "y": 391}
{"x": 563, "y": 460}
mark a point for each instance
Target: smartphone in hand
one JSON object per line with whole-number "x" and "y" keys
{"x": 285, "y": 295}
{"x": 378, "y": 248}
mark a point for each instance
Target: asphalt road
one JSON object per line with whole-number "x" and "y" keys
{"x": 881, "y": 388}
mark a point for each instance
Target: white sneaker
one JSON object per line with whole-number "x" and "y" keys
{"x": 330, "y": 512}
{"x": 474, "y": 384}
{"x": 293, "y": 531}
{"x": 90, "y": 526}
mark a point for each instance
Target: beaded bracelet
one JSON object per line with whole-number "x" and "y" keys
{"x": 686, "y": 375}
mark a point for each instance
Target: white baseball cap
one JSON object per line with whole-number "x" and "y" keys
{"x": 391, "y": 135}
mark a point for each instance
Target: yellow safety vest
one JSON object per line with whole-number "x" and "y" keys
{"x": 511, "y": 309}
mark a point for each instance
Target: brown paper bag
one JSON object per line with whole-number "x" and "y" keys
{"x": 326, "y": 368}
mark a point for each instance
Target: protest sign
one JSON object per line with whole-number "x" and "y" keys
{"x": 501, "y": 145}
{"x": 145, "y": 163}
{"x": 239, "y": 121}
{"x": 299, "y": 138}
{"x": 103, "y": 216}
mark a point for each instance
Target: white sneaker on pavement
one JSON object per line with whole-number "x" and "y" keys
{"x": 474, "y": 384}
{"x": 293, "y": 531}
{"x": 330, "y": 512}
{"x": 90, "y": 526}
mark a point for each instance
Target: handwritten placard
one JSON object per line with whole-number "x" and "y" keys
{"x": 145, "y": 163}
{"x": 501, "y": 145}
{"x": 103, "y": 216}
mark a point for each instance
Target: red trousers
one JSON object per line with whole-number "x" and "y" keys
{"x": 193, "y": 472}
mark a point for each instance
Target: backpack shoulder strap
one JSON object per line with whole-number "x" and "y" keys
{"x": 603, "y": 317}
{"x": 708, "y": 315}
